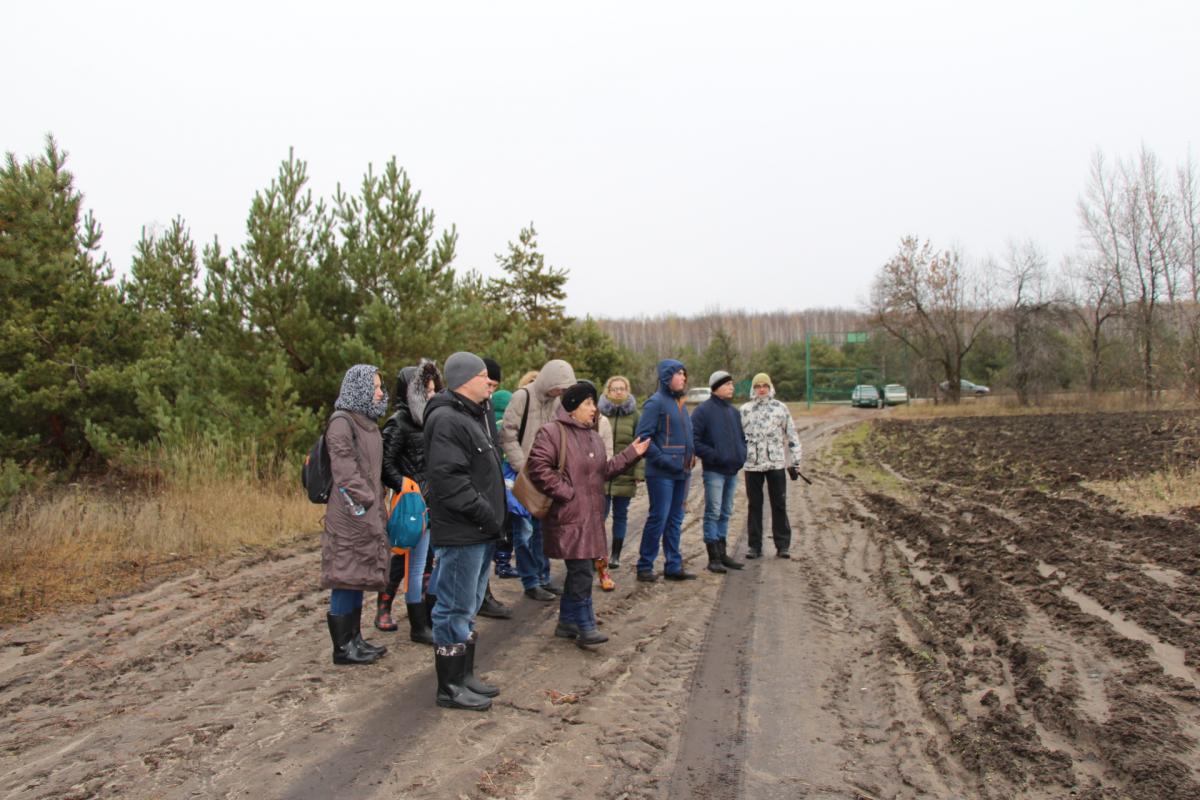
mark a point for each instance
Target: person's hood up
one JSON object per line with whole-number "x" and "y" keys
{"x": 358, "y": 392}
{"x": 557, "y": 374}
{"x": 666, "y": 369}
{"x": 500, "y": 400}
{"x": 413, "y": 401}
{"x": 610, "y": 409}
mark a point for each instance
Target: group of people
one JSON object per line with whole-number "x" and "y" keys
{"x": 465, "y": 444}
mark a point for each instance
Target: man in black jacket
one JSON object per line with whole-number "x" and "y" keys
{"x": 721, "y": 444}
{"x": 466, "y": 509}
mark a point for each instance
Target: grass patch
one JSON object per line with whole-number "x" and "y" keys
{"x": 853, "y": 453}
{"x": 1158, "y": 493}
{"x": 86, "y": 542}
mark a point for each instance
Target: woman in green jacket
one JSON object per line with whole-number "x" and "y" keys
{"x": 620, "y": 407}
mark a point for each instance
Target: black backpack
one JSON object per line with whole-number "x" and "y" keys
{"x": 316, "y": 476}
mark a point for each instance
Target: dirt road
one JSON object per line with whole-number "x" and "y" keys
{"x": 826, "y": 676}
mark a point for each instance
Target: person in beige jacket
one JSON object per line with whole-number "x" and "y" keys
{"x": 528, "y": 410}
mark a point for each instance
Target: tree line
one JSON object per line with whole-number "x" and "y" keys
{"x": 249, "y": 342}
{"x": 246, "y": 342}
{"x": 1120, "y": 312}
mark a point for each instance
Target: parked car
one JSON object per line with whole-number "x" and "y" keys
{"x": 695, "y": 397}
{"x": 966, "y": 388}
{"x": 864, "y": 396}
{"x": 894, "y": 394}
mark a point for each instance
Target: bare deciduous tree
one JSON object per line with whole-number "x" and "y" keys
{"x": 1091, "y": 289}
{"x": 1129, "y": 221}
{"x": 1027, "y": 310}
{"x": 928, "y": 300}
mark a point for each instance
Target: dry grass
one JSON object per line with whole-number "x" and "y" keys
{"x": 1066, "y": 402}
{"x": 1159, "y": 493}
{"x": 87, "y": 542}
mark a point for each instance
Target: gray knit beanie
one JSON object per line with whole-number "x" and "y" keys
{"x": 717, "y": 378}
{"x": 461, "y": 367}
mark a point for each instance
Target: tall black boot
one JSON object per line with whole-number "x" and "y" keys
{"x": 419, "y": 628}
{"x": 614, "y": 561}
{"x": 345, "y": 650}
{"x": 430, "y": 602}
{"x": 451, "y": 663}
{"x": 714, "y": 559}
{"x": 494, "y": 608}
{"x": 470, "y": 681}
{"x": 362, "y": 643}
{"x": 725, "y": 558}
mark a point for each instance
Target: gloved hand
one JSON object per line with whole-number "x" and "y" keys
{"x": 793, "y": 472}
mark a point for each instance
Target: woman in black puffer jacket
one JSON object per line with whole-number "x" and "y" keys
{"x": 404, "y": 457}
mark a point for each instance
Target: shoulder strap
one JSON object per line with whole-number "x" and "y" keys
{"x": 346, "y": 416}
{"x": 562, "y": 447}
{"x": 524, "y": 419}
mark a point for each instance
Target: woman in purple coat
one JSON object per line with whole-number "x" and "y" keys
{"x": 573, "y": 530}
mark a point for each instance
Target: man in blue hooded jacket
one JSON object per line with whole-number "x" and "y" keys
{"x": 668, "y": 464}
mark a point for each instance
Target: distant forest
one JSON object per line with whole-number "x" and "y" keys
{"x": 751, "y": 331}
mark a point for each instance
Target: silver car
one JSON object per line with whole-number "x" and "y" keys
{"x": 894, "y": 395}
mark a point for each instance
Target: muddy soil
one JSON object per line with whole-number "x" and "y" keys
{"x": 954, "y": 637}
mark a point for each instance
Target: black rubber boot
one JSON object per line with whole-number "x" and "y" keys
{"x": 341, "y": 632}
{"x": 469, "y": 680}
{"x": 451, "y": 663}
{"x": 494, "y": 608}
{"x": 430, "y": 602}
{"x": 725, "y": 559}
{"x": 614, "y": 561}
{"x": 419, "y": 628}
{"x": 714, "y": 559}
{"x": 363, "y": 644}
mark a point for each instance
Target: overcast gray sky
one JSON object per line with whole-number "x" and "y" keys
{"x": 673, "y": 156}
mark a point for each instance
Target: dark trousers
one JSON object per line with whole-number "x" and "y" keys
{"x": 578, "y": 584}
{"x": 781, "y": 531}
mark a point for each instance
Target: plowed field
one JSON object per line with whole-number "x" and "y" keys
{"x": 1057, "y": 640}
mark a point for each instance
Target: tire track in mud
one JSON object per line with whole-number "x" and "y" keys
{"x": 822, "y": 713}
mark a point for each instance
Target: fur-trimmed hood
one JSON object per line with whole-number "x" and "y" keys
{"x": 609, "y": 409}
{"x": 410, "y": 389}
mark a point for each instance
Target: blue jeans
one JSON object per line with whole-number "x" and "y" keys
{"x": 416, "y": 569}
{"x": 620, "y": 514}
{"x": 462, "y": 580}
{"x": 532, "y": 564}
{"x": 664, "y": 522}
{"x": 718, "y": 504}
{"x": 345, "y": 601}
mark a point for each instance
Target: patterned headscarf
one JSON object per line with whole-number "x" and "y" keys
{"x": 358, "y": 392}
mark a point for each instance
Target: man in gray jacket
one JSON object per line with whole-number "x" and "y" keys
{"x": 529, "y": 409}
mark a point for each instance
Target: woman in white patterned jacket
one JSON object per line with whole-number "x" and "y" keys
{"x": 772, "y": 447}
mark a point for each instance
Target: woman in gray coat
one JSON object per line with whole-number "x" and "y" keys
{"x": 354, "y": 546}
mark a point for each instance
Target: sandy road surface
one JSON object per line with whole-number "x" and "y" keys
{"x": 816, "y": 677}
